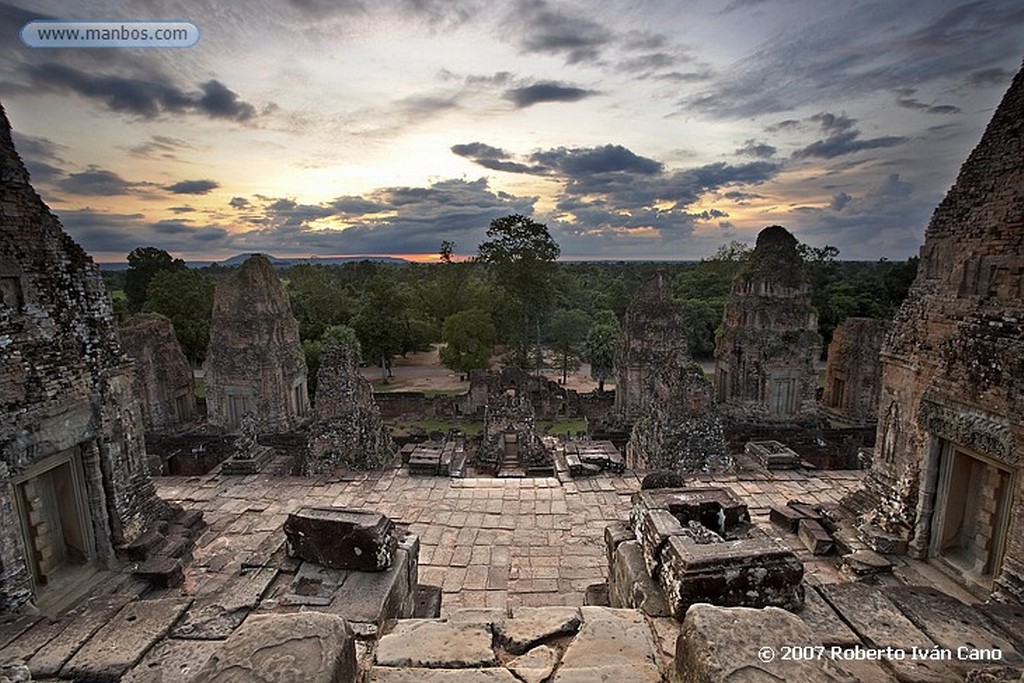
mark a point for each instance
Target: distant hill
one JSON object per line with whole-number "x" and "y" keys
{"x": 276, "y": 261}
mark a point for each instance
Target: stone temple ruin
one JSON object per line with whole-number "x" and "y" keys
{"x": 767, "y": 346}
{"x": 946, "y": 474}
{"x": 347, "y": 429}
{"x": 664, "y": 394}
{"x": 255, "y": 363}
{"x": 511, "y": 446}
{"x": 163, "y": 374}
{"x": 853, "y": 375}
{"x": 75, "y": 482}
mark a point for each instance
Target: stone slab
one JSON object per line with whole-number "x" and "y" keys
{"x": 1009, "y": 618}
{"x": 172, "y": 661}
{"x": 874, "y": 617}
{"x": 532, "y": 625}
{"x": 629, "y": 584}
{"x": 867, "y": 562}
{"x": 536, "y": 665}
{"x": 610, "y": 642}
{"x": 436, "y": 644}
{"x": 653, "y": 532}
{"x": 376, "y": 597}
{"x": 719, "y": 644}
{"x": 342, "y": 538}
{"x": 123, "y": 641}
{"x": 814, "y": 537}
{"x": 950, "y": 623}
{"x": 614, "y": 534}
{"x": 785, "y": 517}
{"x": 381, "y": 674}
{"x": 308, "y": 647}
{"x": 717, "y": 508}
{"x": 34, "y": 638}
{"x": 13, "y": 626}
{"x": 826, "y": 625}
{"x": 217, "y": 615}
{"x": 87, "y": 620}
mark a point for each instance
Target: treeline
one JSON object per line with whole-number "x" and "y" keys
{"x": 513, "y": 297}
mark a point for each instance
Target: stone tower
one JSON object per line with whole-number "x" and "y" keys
{"x": 255, "y": 362}
{"x": 947, "y": 471}
{"x": 768, "y": 345}
{"x": 653, "y": 337}
{"x": 72, "y": 456}
{"x": 163, "y": 374}
{"x": 853, "y": 374}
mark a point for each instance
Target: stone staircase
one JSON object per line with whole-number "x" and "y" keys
{"x": 164, "y": 549}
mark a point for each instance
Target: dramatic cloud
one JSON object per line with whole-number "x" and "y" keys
{"x": 96, "y": 182}
{"x": 146, "y": 98}
{"x": 576, "y": 162}
{"x": 753, "y": 148}
{"x": 493, "y": 158}
{"x": 551, "y": 31}
{"x": 193, "y": 187}
{"x": 549, "y": 91}
{"x": 42, "y": 157}
{"x": 843, "y": 138}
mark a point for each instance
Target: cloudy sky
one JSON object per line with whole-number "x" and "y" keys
{"x": 634, "y": 129}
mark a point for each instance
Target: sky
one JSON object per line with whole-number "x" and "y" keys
{"x": 656, "y": 129}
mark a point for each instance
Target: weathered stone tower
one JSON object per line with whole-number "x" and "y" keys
{"x": 653, "y": 337}
{"x": 949, "y": 458}
{"x": 255, "y": 363}
{"x": 72, "y": 455}
{"x": 853, "y": 374}
{"x": 767, "y": 347}
{"x": 162, "y": 373}
{"x": 347, "y": 430}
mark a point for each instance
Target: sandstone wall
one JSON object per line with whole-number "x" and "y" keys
{"x": 163, "y": 376}
{"x": 853, "y": 375}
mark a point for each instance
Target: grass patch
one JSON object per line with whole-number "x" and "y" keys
{"x": 406, "y": 428}
{"x": 561, "y": 426}
{"x": 430, "y": 393}
{"x": 200, "y": 387}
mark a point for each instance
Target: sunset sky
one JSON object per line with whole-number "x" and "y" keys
{"x": 634, "y": 130}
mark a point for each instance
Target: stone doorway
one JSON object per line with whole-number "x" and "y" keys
{"x": 56, "y": 526}
{"x": 972, "y": 505}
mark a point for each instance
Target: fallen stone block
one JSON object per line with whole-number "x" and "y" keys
{"x": 814, "y": 537}
{"x": 311, "y": 647}
{"x": 376, "y": 597}
{"x": 596, "y": 595}
{"x": 629, "y": 584}
{"x": 84, "y": 622}
{"x": 530, "y": 626}
{"x": 342, "y": 538}
{"x": 122, "y": 642}
{"x": 653, "y": 533}
{"x": 785, "y": 517}
{"x": 161, "y": 571}
{"x": 612, "y": 645}
{"x": 866, "y": 562}
{"x": 719, "y": 644}
{"x": 1009, "y": 618}
{"x": 436, "y": 644}
{"x": 140, "y": 548}
{"x": 535, "y": 666}
{"x": 614, "y": 534}
{"x": 216, "y": 615}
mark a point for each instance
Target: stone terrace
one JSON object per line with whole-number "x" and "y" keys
{"x": 486, "y": 542}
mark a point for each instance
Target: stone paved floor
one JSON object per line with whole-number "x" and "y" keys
{"x": 486, "y": 542}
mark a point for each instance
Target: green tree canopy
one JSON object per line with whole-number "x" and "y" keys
{"x": 568, "y": 330}
{"x": 379, "y": 324}
{"x": 143, "y": 265}
{"x": 186, "y": 297}
{"x": 601, "y": 347}
{"x": 469, "y": 336}
{"x": 521, "y": 254}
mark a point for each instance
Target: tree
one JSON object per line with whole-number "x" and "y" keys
{"x": 186, "y": 297}
{"x": 522, "y": 254}
{"x": 318, "y": 299}
{"x": 568, "y": 329}
{"x": 143, "y": 265}
{"x": 335, "y": 335}
{"x": 601, "y": 347}
{"x": 379, "y": 323}
{"x": 469, "y": 336}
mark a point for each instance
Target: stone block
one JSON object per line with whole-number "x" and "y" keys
{"x": 535, "y": 666}
{"x": 785, "y": 517}
{"x": 720, "y": 644}
{"x": 307, "y": 647}
{"x": 376, "y": 597}
{"x": 654, "y": 531}
{"x": 342, "y": 538}
{"x": 631, "y": 586}
{"x": 814, "y": 537}
{"x": 756, "y": 571}
{"x": 532, "y": 625}
{"x": 596, "y": 595}
{"x": 877, "y": 621}
{"x": 161, "y": 571}
{"x": 614, "y": 534}
{"x": 866, "y": 562}
{"x": 824, "y": 622}
{"x": 172, "y": 661}
{"x": 384, "y": 674}
{"x": 428, "y": 602}
{"x": 717, "y": 508}
{"x": 436, "y": 644}
{"x": 216, "y": 615}
{"x": 612, "y": 645}
{"x": 140, "y": 548}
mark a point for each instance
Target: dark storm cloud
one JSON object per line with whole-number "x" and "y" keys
{"x": 144, "y": 97}
{"x": 753, "y": 148}
{"x": 547, "y": 91}
{"x": 181, "y": 209}
{"x": 585, "y": 161}
{"x": 843, "y": 57}
{"x": 493, "y": 158}
{"x": 843, "y": 138}
{"x": 193, "y": 187}
{"x": 96, "y": 182}
{"x": 552, "y": 31}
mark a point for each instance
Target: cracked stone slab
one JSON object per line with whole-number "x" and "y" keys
{"x": 828, "y": 628}
{"x": 630, "y": 585}
{"x": 172, "y": 661}
{"x": 874, "y": 617}
{"x": 536, "y": 665}
{"x": 612, "y": 644}
{"x": 311, "y": 647}
{"x": 719, "y": 644}
{"x": 215, "y": 616}
{"x": 1008, "y": 617}
{"x": 436, "y": 644}
{"x": 14, "y": 626}
{"x": 949, "y": 622}
{"x": 87, "y": 620}
{"x": 381, "y": 674}
{"x": 123, "y": 640}
{"x": 531, "y": 625}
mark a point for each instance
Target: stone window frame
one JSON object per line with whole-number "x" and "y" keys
{"x": 18, "y": 290}
{"x": 237, "y": 391}
{"x": 298, "y": 391}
